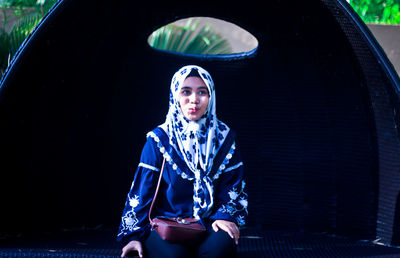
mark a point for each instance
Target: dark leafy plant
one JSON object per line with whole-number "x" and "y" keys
{"x": 21, "y": 30}
{"x": 4, "y": 46}
{"x": 190, "y": 39}
{"x": 378, "y": 11}
{"x": 27, "y": 21}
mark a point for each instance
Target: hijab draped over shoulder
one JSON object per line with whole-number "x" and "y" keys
{"x": 197, "y": 142}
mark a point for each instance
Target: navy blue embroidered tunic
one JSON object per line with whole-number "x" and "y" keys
{"x": 218, "y": 194}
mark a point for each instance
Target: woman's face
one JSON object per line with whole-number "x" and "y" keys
{"x": 194, "y": 98}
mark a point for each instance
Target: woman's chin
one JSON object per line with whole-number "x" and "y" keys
{"x": 193, "y": 117}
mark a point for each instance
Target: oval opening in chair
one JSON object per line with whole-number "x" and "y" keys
{"x": 204, "y": 36}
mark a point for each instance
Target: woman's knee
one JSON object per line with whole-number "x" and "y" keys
{"x": 217, "y": 244}
{"x": 155, "y": 246}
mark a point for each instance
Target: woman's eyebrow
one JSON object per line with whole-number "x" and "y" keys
{"x": 189, "y": 88}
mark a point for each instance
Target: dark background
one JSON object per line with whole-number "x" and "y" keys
{"x": 75, "y": 109}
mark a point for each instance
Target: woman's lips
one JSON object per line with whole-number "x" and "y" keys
{"x": 193, "y": 110}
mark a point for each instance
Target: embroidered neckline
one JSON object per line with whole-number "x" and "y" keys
{"x": 228, "y": 156}
{"x": 221, "y": 169}
{"x": 168, "y": 157}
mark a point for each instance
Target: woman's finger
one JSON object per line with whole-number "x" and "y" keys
{"x": 230, "y": 228}
{"x": 226, "y": 228}
{"x": 215, "y": 226}
{"x": 132, "y": 246}
{"x": 123, "y": 252}
{"x": 236, "y": 230}
{"x": 140, "y": 251}
{"x": 237, "y": 234}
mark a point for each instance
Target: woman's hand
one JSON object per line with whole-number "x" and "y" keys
{"x": 132, "y": 246}
{"x": 229, "y": 227}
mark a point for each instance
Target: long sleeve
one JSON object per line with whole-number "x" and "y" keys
{"x": 231, "y": 198}
{"x": 134, "y": 223}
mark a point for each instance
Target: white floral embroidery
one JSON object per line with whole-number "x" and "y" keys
{"x": 134, "y": 202}
{"x": 240, "y": 220}
{"x": 129, "y": 219}
{"x": 243, "y": 202}
{"x": 233, "y": 194}
{"x": 237, "y": 205}
{"x": 129, "y": 222}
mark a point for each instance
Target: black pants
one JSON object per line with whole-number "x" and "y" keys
{"x": 214, "y": 244}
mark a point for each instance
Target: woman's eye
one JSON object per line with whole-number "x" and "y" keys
{"x": 203, "y": 92}
{"x": 186, "y": 92}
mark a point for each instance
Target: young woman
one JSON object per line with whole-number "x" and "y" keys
{"x": 203, "y": 176}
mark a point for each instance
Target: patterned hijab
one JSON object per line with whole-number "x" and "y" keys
{"x": 197, "y": 142}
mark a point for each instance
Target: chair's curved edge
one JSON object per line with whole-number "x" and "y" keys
{"x": 203, "y": 57}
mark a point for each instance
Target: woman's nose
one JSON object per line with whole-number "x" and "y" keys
{"x": 193, "y": 98}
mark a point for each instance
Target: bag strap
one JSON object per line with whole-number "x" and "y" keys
{"x": 156, "y": 192}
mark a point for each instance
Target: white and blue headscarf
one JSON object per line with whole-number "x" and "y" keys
{"x": 197, "y": 142}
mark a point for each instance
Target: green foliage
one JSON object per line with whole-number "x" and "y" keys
{"x": 27, "y": 21}
{"x": 41, "y": 6}
{"x": 21, "y": 30}
{"x": 378, "y": 11}
{"x": 190, "y": 39}
{"x": 4, "y": 46}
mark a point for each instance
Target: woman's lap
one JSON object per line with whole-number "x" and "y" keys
{"x": 215, "y": 244}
